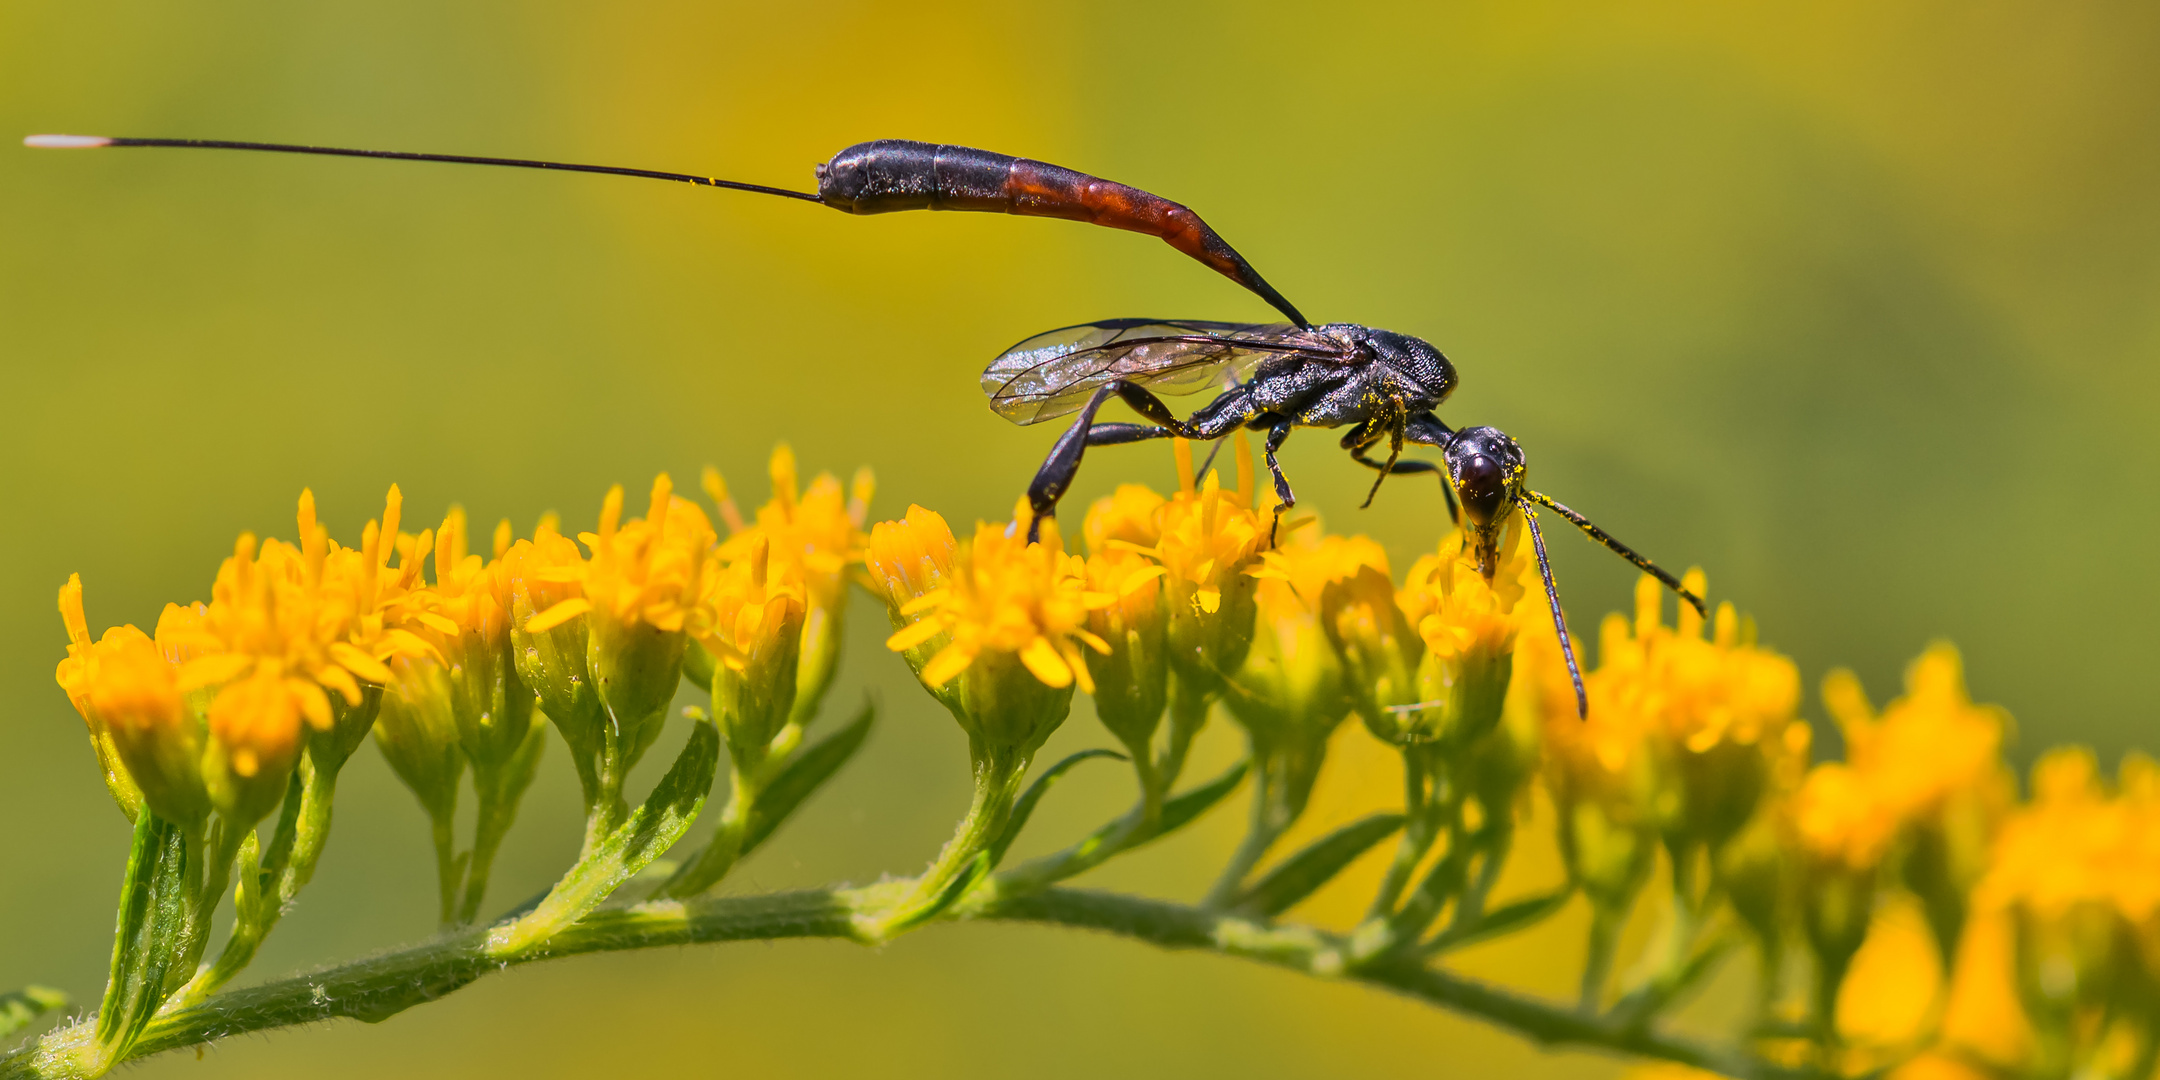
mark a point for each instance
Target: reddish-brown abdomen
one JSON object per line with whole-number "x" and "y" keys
{"x": 897, "y": 174}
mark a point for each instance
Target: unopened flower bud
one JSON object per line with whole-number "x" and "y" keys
{"x": 417, "y": 731}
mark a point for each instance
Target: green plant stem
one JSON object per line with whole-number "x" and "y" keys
{"x": 604, "y": 805}
{"x": 443, "y": 832}
{"x": 1260, "y": 835}
{"x": 998, "y": 773}
{"x": 492, "y": 818}
{"x": 1189, "y": 707}
{"x": 380, "y": 986}
{"x": 726, "y": 847}
{"x": 311, "y": 832}
{"x": 1605, "y": 925}
{"x": 1419, "y": 832}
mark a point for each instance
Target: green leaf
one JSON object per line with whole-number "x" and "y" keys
{"x": 804, "y": 774}
{"x": 1180, "y": 811}
{"x": 1035, "y": 792}
{"x": 1299, "y": 875}
{"x": 152, "y": 919}
{"x": 651, "y": 829}
{"x": 17, "y": 1009}
{"x": 1501, "y": 921}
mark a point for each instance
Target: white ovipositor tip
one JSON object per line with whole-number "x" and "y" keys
{"x": 65, "y": 142}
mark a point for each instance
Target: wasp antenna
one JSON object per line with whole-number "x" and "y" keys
{"x": 65, "y": 142}
{"x": 83, "y": 142}
{"x": 1552, "y": 599}
{"x": 1622, "y": 550}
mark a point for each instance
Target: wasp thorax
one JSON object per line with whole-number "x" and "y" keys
{"x": 1431, "y": 375}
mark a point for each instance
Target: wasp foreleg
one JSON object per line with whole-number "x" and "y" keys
{"x": 1284, "y": 497}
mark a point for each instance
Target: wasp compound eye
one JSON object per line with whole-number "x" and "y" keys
{"x": 1481, "y": 484}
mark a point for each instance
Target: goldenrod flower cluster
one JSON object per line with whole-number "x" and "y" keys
{"x": 310, "y": 645}
{"x": 210, "y": 713}
{"x": 1911, "y": 915}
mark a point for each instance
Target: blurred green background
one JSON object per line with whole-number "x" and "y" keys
{"x": 1850, "y": 303}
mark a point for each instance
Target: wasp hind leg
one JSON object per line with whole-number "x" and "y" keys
{"x": 1056, "y": 475}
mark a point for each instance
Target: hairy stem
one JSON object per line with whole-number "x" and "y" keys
{"x": 378, "y": 987}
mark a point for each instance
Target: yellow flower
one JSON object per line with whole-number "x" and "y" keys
{"x": 644, "y": 592}
{"x": 758, "y": 620}
{"x": 1376, "y": 643}
{"x": 1289, "y": 693}
{"x": 1292, "y": 678}
{"x": 546, "y": 577}
{"x": 1717, "y": 708}
{"x": 818, "y": 531}
{"x": 291, "y": 635}
{"x": 1132, "y": 677}
{"x": 2077, "y": 872}
{"x": 993, "y": 627}
{"x": 161, "y": 744}
{"x": 1127, "y": 517}
{"x": 1935, "y": 759}
{"x": 1208, "y": 540}
{"x": 1842, "y": 830}
{"x": 812, "y": 537}
{"x": 1468, "y": 625}
{"x": 77, "y": 675}
{"x": 465, "y": 615}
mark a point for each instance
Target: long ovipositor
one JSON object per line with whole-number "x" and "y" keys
{"x": 877, "y": 177}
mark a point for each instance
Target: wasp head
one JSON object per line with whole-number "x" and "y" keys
{"x": 1485, "y": 468}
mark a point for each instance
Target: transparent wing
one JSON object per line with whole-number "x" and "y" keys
{"x": 1052, "y": 374}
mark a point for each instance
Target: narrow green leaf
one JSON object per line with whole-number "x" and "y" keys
{"x": 1180, "y": 811}
{"x": 1644, "y": 1003}
{"x": 19, "y": 1008}
{"x": 1035, "y": 792}
{"x": 1299, "y": 875}
{"x": 1501, "y": 921}
{"x": 806, "y": 773}
{"x": 152, "y": 919}
{"x": 651, "y": 829}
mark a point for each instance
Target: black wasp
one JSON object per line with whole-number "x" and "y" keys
{"x": 1272, "y": 377}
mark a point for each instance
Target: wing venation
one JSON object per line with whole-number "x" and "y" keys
{"x": 1053, "y": 374}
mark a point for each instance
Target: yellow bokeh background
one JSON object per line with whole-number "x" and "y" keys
{"x": 1852, "y": 304}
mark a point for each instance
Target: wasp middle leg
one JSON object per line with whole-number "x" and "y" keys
{"x": 1360, "y": 439}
